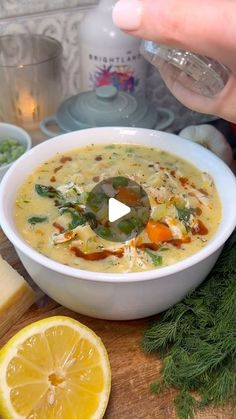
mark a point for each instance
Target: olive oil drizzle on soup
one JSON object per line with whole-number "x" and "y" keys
{"x": 50, "y": 208}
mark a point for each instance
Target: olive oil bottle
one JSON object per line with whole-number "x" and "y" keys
{"x": 108, "y": 55}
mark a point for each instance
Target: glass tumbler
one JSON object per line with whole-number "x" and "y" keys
{"x": 30, "y": 78}
{"x": 197, "y": 73}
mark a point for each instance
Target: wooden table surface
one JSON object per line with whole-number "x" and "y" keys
{"x": 132, "y": 370}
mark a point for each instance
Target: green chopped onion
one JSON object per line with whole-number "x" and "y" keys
{"x": 156, "y": 259}
{"x": 82, "y": 198}
{"x": 104, "y": 232}
{"x": 96, "y": 200}
{"x": 119, "y": 181}
{"x": 126, "y": 226}
{"x": 10, "y": 150}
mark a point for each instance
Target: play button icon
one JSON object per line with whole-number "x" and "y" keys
{"x": 118, "y": 209}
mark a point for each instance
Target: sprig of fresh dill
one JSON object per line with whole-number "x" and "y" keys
{"x": 196, "y": 340}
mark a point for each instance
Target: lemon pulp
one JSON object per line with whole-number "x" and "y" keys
{"x": 54, "y": 368}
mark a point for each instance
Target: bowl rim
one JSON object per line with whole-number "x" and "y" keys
{"x": 215, "y": 243}
{"x": 27, "y": 137}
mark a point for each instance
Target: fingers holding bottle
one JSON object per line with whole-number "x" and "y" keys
{"x": 204, "y": 27}
{"x": 222, "y": 104}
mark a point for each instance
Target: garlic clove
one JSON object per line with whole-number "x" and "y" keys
{"x": 211, "y": 138}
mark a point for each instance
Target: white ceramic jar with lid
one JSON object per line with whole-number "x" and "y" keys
{"x": 108, "y": 55}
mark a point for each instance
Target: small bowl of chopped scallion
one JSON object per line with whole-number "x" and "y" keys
{"x": 14, "y": 142}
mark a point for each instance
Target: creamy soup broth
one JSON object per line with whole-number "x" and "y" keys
{"x": 185, "y": 208}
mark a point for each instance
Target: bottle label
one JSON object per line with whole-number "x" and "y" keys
{"x": 126, "y": 71}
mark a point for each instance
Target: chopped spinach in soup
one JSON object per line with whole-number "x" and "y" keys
{"x": 50, "y": 208}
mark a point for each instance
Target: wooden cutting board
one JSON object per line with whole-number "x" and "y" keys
{"x": 132, "y": 370}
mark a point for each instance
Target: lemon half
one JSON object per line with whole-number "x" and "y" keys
{"x": 54, "y": 368}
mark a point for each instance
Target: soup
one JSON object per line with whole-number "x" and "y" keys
{"x": 50, "y": 209}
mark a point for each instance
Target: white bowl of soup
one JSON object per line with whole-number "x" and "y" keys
{"x": 192, "y": 196}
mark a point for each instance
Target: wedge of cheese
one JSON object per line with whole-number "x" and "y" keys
{"x": 16, "y": 296}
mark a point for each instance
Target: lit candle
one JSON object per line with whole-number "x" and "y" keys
{"x": 27, "y": 109}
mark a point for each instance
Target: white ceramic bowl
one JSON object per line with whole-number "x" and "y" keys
{"x": 110, "y": 295}
{"x": 9, "y": 131}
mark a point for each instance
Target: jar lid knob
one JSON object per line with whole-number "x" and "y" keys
{"x": 106, "y": 92}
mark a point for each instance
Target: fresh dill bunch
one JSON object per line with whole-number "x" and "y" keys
{"x": 185, "y": 405}
{"x": 196, "y": 339}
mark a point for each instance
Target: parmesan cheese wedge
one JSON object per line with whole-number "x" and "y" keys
{"x": 16, "y": 296}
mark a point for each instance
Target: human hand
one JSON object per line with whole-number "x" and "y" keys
{"x": 204, "y": 27}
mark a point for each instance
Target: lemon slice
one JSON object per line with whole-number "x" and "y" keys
{"x": 55, "y": 368}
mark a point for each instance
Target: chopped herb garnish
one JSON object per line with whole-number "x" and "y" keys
{"x": 126, "y": 226}
{"x": 47, "y": 191}
{"x": 104, "y": 232}
{"x": 35, "y": 220}
{"x": 91, "y": 218}
{"x": 69, "y": 199}
{"x": 82, "y": 198}
{"x": 77, "y": 218}
{"x": 184, "y": 214}
{"x": 95, "y": 201}
{"x": 119, "y": 181}
{"x": 164, "y": 249}
{"x": 156, "y": 259}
